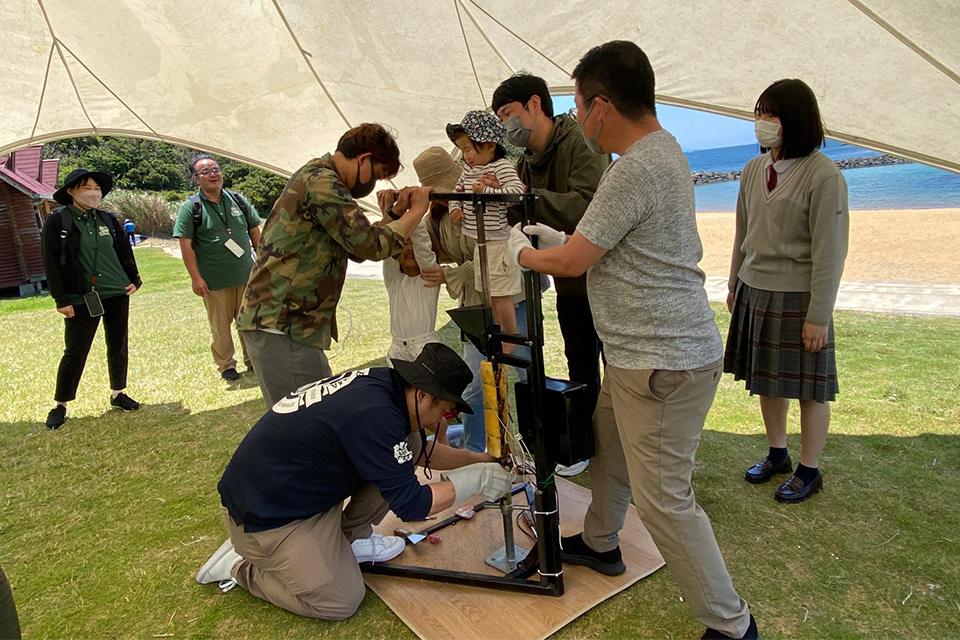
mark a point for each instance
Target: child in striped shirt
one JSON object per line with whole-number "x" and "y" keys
{"x": 479, "y": 136}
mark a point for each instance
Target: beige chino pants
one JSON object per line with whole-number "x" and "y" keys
{"x": 647, "y": 427}
{"x": 223, "y": 305}
{"x": 307, "y": 566}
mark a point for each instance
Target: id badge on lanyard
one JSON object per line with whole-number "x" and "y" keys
{"x": 230, "y": 244}
{"x": 92, "y": 298}
{"x": 233, "y": 247}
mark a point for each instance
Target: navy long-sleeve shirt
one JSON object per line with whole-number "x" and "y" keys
{"x": 320, "y": 445}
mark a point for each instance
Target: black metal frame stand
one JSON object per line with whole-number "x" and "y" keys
{"x": 477, "y": 323}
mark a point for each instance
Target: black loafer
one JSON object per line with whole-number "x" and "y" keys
{"x": 573, "y": 550}
{"x": 793, "y": 490}
{"x": 764, "y": 470}
{"x": 230, "y": 375}
{"x": 56, "y": 417}
{"x": 751, "y": 634}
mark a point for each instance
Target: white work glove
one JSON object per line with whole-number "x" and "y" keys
{"x": 517, "y": 243}
{"x": 488, "y": 479}
{"x": 549, "y": 238}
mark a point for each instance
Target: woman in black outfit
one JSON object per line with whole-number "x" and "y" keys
{"x": 91, "y": 272}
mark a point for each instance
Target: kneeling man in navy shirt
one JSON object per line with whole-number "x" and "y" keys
{"x": 357, "y": 435}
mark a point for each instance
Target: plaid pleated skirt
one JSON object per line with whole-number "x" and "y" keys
{"x": 765, "y": 347}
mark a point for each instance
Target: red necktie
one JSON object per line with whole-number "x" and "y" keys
{"x": 772, "y": 180}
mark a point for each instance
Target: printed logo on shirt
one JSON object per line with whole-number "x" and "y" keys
{"x": 402, "y": 453}
{"x": 236, "y": 213}
{"x": 103, "y": 231}
{"x": 310, "y": 394}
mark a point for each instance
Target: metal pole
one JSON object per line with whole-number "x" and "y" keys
{"x": 479, "y": 209}
{"x": 546, "y": 509}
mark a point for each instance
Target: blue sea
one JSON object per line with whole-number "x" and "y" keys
{"x": 899, "y": 186}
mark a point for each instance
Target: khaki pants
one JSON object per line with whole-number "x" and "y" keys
{"x": 283, "y": 365}
{"x": 307, "y": 566}
{"x": 648, "y": 426}
{"x": 223, "y": 305}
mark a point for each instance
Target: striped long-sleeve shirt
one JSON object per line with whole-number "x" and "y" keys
{"x": 495, "y": 213}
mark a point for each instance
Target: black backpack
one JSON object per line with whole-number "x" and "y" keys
{"x": 66, "y": 226}
{"x": 198, "y": 213}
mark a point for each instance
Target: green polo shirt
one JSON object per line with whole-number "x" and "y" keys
{"x": 98, "y": 257}
{"x": 218, "y": 266}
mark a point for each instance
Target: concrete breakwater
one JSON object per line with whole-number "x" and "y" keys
{"x": 709, "y": 177}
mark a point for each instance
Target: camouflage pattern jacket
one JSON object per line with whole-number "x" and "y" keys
{"x": 313, "y": 228}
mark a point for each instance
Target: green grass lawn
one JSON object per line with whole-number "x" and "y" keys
{"x": 104, "y": 523}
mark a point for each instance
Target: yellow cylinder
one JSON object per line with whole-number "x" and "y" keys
{"x": 495, "y": 410}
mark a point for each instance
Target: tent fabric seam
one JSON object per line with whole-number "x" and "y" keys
{"x": 486, "y": 37}
{"x": 303, "y": 53}
{"x": 43, "y": 91}
{"x": 466, "y": 44}
{"x": 109, "y": 90}
{"x": 517, "y": 36}
{"x": 56, "y": 43}
{"x": 910, "y": 44}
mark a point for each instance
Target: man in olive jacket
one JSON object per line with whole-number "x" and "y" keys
{"x": 558, "y": 167}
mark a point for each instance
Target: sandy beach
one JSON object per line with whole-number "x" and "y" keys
{"x": 913, "y": 245}
{"x": 910, "y": 246}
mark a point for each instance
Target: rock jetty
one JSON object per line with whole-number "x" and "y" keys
{"x": 709, "y": 177}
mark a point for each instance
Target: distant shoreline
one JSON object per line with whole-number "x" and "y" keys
{"x": 714, "y": 177}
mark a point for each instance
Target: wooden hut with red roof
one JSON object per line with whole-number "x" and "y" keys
{"x": 27, "y": 184}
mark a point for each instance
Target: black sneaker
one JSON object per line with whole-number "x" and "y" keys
{"x": 751, "y": 634}
{"x": 124, "y": 402}
{"x": 230, "y": 375}
{"x": 574, "y": 550}
{"x": 56, "y": 417}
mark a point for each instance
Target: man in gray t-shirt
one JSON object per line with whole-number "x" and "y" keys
{"x": 638, "y": 244}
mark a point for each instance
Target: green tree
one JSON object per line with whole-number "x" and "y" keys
{"x": 262, "y": 188}
{"x": 147, "y": 165}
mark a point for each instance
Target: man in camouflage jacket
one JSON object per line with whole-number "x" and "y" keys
{"x": 288, "y": 314}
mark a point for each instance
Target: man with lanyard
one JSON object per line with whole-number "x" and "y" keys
{"x": 357, "y": 435}
{"x": 639, "y": 245}
{"x": 217, "y": 249}
{"x": 557, "y": 166}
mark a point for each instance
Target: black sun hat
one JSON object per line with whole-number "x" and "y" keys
{"x": 75, "y": 176}
{"x": 439, "y": 371}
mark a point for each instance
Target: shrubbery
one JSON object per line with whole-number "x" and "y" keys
{"x": 152, "y": 214}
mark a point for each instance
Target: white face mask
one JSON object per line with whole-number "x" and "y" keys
{"x": 88, "y": 199}
{"x": 767, "y": 134}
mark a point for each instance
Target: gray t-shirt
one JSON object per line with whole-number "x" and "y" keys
{"x": 646, "y": 293}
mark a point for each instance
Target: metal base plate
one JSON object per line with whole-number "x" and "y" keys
{"x": 498, "y": 559}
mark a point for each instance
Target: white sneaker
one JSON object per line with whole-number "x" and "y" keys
{"x": 217, "y": 568}
{"x": 377, "y": 548}
{"x": 572, "y": 470}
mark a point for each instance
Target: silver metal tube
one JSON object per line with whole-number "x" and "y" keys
{"x": 506, "y": 509}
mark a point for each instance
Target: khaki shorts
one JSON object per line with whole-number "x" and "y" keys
{"x": 505, "y": 278}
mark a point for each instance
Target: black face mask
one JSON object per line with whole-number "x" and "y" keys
{"x": 363, "y": 189}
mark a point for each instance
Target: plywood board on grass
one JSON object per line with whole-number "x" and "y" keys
{"x": 438, "y": 611}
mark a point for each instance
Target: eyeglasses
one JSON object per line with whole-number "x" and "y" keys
{"x": 575, "y": 110}
{"x": 213, "y": 171}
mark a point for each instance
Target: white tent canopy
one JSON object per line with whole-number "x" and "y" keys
{"x": 276, "y": 82}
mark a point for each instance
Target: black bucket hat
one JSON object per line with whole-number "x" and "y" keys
{"x": 439, "y": 371}
{"x": 75, "y": 176}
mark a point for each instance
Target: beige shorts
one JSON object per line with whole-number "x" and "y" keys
{"x": 505, "y": 278}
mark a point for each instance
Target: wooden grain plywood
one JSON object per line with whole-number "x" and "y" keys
{"x": 437, "y": 611}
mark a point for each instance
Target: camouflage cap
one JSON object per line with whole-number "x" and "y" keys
{"x": 480, "y": 126}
